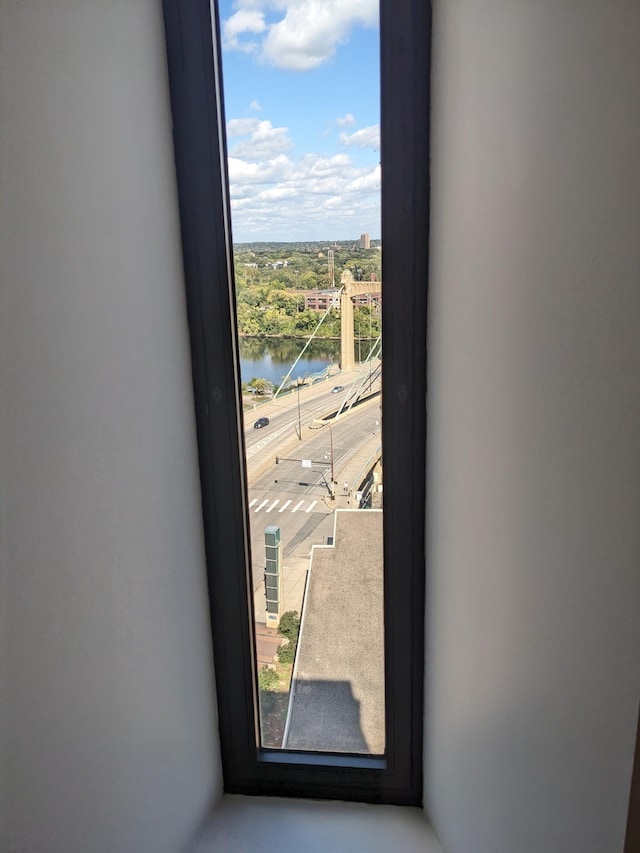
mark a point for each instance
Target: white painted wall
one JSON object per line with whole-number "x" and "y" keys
{"x": 110, "y": 730}
{"x": 534, "y": 445}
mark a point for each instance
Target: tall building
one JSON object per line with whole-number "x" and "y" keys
{"x": 365, "y": 242}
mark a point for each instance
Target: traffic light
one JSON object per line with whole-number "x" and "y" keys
{"x": 277, "y": 460}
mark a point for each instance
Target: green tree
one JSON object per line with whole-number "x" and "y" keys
{"x": 289, "y": 627}
{"x": 288, "y": 302}
{"x": 308, "y": 280}
{"x": 307, "y": 320}
{"x": 261, "y": 386}
{"x": 268, "y": 679}
{"x": 249, "y": 319}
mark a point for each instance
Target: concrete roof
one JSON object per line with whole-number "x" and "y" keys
{"x": 337, "y": 697}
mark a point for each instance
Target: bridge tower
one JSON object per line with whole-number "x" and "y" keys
{"x": 351, "y": 288}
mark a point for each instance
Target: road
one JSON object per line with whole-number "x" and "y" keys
{"x": 315, "y": 401}
{"x": 293, "y": 497}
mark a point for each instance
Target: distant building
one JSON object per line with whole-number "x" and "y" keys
{"x": 365, "y": 242}
{"x": 318, "y": 300}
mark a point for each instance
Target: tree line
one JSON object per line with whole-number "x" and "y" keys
{"x": 265, "y": 278}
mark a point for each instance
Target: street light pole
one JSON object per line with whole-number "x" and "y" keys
{"x": 331, "y": 456}
{"x": 299, "y": 422}
{"x": 332, "y": 482}
{"x": 370, "y": 345}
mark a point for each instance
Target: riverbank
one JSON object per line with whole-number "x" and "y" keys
{"x": 304, "y": 337}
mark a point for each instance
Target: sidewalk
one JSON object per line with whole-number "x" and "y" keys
{"x": 354, "y": 472}
{"x": 268, "y": 641}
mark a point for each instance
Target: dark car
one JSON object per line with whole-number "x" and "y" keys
{"x": 337, "y": 389}
{"x": 261, "y": 422}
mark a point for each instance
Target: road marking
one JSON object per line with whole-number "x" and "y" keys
{"x": 297, "y": 506}
{"x": 277, "y": 501}
{"x": 311, "y": 507}
{"x": 255, "y": 500}
{"x": 258, "y": 508}
{"x": 284, "y": 506}
{"x": 264, "y": 442}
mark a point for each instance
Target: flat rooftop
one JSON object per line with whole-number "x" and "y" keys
{"x": 337, "y": 696}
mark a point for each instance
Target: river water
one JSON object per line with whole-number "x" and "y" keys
{"x": 271, "y": 358}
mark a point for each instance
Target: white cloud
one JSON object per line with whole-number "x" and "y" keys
{"x": 305, "y": 36}
{"x": 277, "y": 194}
{"x": 264, "y": 142}
{"x": 243, "y": 173}
{"x": 326, "y": 166}
{"x": 346, "y": 121}
{"x": 315, "y": 197}
{"x": 366, "y": 183}
{"x": 255, "y": 105}
{"x": 241, "y": 127}
{"x": 367, "y": 137}
{"x": 243, "y": 21}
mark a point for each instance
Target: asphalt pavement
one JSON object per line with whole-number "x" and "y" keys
{"x": 295, "y": 494}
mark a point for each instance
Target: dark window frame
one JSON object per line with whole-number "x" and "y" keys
{"x": 195, "y": 85}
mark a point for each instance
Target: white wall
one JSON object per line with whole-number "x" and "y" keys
{"x": 534, "y": 446}
{"x": 110, "y": 723}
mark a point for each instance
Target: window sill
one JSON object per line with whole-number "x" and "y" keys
{"x": 250, "y": 824}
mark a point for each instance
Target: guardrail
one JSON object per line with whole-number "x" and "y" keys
{"x": 364, "y": 472}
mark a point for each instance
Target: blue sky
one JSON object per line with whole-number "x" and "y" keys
{"x": 301, "y": 82}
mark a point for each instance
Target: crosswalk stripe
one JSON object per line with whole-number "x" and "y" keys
{"x": 284, "y": 506}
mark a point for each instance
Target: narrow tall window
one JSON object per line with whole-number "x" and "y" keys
{"x": 301, "y": 85}
{"x": 298, "y": 430}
